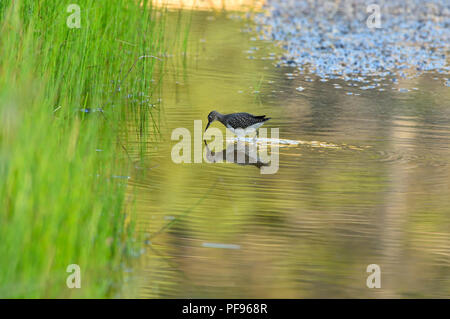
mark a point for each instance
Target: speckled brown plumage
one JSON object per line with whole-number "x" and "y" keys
{"x": 236, "y": 121}
{"x": 242, "y": 120}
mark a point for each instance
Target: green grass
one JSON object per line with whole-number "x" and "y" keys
{"x": 60, "y": 201}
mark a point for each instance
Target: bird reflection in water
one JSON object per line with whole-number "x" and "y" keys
{"x": 238, "y": 153}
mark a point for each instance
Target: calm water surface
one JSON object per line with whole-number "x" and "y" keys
{"x": 377, "y": 191}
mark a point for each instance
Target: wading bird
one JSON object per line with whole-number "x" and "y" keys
{"x": 239, "y": 123}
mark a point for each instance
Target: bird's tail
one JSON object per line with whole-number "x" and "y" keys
{"x": 263, "y": 117}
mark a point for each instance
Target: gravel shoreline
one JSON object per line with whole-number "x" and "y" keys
{"x": 333, "y": 39}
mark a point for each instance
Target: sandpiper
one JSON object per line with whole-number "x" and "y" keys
{"x": 239, "y": 123}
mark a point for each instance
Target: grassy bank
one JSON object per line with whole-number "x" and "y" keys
{"x": 62, "y": 105}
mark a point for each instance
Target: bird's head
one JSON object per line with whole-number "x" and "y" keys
{"x": 212, "y": 116}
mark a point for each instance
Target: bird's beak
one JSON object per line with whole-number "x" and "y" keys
{"x": 207, "y": 126}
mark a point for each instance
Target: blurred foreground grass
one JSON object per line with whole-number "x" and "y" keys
{"x": 61, "y": 107}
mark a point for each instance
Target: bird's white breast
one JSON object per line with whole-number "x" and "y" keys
{"x": 247, "y": 131}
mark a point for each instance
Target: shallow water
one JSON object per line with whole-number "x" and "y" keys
{"x": 368, "y": 182}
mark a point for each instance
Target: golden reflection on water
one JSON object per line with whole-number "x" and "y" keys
{"x": 374, "y": 190}
{"x": 235, "y": 5}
